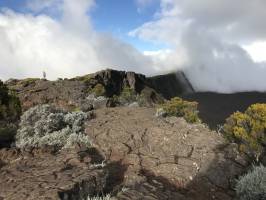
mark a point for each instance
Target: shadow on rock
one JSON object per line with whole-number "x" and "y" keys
{"x": 116, "y": 172}
{"x": 215, "y": 181}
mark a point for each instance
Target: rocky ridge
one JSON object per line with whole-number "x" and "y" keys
{"x": 72, "y": 93}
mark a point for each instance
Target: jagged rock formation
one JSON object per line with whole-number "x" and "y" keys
{"x": 114, "y": 81}
{"x": 166, "y": 158}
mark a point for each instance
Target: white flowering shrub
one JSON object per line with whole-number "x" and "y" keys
{"x": 107, "y": 197}
{"x": 45, "y": 125}
{"x": 160, "y": 112}
{"x": 252, "y": 186}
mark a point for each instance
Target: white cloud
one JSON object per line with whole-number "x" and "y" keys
{"x": 257, "y": 50}
{"x": 219, "y": 66}
{"x": 211, "y": 34}
{"x": 142, "y": 4}
{"x": 167, "y": 60}
{"x": 41, "y": 5}
{"x": 63, "y": 47}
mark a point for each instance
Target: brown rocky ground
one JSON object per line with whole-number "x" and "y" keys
{"x": 150, "y": 158}
{"x": 44, "y": 174}
{"x": 165, "y": 158}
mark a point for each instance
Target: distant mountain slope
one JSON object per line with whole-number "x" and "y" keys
{"x": 215, "y": 108}
{"x": 172, "y": 84}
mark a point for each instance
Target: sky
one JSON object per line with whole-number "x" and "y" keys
{"x": 219, "y": 44}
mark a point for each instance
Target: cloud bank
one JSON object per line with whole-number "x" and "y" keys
{"x": 211, "y": 35}
{"x": 64, "y": 46}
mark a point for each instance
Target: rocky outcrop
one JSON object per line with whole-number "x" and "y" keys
{"x": 114, "y": 81}
{"x": 166, "y": 158}
{"x": 72, "y": 93}
{"x": 62, "y": 93}
{"x": 168, "y": 85}
{"x": 44, "y": 174}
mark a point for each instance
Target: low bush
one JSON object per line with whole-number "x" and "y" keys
{"x": 248, "y": 130}
{"x": 180, "y": 108}
{"x": 7, "y": 132}
{"x": 128, "y": 95}
{"x": 85, "y": 78}
{"x": 10, "y": 108}
{"x": 45, "y": 125}
{"x": 98, "y": 90}
{"x": 28, "y": 81}
{"x": 106, "y": 197}
{"x": 252, "y": 186}
{"x": 10, "y": 111}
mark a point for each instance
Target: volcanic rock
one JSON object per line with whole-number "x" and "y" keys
{"x": 44, "y": 174}
{"x": 166, "y": 158}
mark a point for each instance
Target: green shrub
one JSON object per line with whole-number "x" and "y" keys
{"x": 85, "y": 78}
{"x": 142, "y": 100}
{"x": 10, "y": 108}
{"x": 10, "y": 111}
{"x": 7, "y": 132}
{"x": 14, "y": 107}
{"x": 252, "y": 186}
{"x": 248, "y": 130}
{"x": 180, "y": 108}
{"x": 28, "y": 81}
{"x": 128, "y": 95}
{"x": 97, "y": 90}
